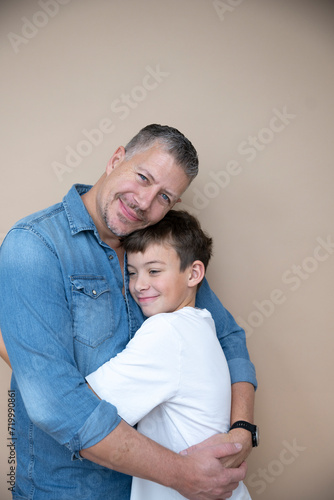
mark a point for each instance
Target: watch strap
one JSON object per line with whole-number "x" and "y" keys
{"x": 242, "y": 424}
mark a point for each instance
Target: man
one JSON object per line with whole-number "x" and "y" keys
{"x": 64, "y": 311}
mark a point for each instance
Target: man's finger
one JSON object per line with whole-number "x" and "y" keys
{"x": 219, "y": 450}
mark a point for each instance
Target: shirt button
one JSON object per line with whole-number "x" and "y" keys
{"x": 110, "y": 257}
{"x": 94, "y": 292}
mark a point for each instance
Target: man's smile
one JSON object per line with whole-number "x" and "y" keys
{"x": 130, "y": 213}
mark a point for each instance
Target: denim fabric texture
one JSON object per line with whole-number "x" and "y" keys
{"x": 62, "y": 315}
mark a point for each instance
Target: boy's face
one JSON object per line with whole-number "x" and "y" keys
{"x": 156, "y": 282}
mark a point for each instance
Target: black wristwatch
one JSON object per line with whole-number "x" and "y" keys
{"x": 253, "y": 429}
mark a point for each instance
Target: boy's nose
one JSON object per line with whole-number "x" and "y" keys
{"x": 141, "y": 284}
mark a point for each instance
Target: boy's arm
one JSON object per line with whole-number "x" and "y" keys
{"x": 143, "y": 367}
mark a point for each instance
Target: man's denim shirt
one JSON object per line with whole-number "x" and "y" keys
{"x": 63, "y": 314}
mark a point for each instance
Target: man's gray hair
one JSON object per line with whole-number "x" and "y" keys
{"x": 172, "y": 141}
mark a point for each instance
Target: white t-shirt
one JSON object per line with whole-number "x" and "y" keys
{"x": 173, "y": 380}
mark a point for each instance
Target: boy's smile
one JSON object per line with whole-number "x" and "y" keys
{"x": 156, "y": 282}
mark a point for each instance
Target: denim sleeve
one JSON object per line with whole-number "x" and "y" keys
{"x": 231, "y": 336}
{"x": 36, "y": 325}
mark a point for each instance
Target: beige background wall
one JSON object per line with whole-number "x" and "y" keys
{"x": 251, "y": 83}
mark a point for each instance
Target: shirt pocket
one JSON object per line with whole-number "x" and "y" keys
{"x": 92, "y": 309}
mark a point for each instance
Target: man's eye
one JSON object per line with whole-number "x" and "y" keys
{"x": 165, "y": 197}
{"x": 143, "y": 177}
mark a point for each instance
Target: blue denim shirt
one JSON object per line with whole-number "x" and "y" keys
{"x": 63, "y": 314}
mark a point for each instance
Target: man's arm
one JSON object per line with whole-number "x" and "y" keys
{"x": 233, "y": 341}
{"x": 36, "y": 325}
{"x": 242, "y": 408}
{"x": 199, "y": 476}
{"x": 230, "y": 335}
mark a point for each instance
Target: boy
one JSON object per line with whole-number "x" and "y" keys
{"x": 173, "y": 372}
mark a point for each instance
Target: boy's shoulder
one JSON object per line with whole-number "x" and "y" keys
{"x": 171, "y": 332}
{"x": 186, "y": 315}
{"x": 191, "y": 312}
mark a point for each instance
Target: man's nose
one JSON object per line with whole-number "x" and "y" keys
{"x": 145, "y": 197}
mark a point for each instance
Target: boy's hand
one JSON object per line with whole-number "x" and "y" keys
{"x": 234, "y": 436}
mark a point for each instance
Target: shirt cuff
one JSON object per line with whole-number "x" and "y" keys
{"x": 242, "y": 370}
{"x": 99, "y": 424}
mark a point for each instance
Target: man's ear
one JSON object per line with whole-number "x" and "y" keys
{"x": 116, "y": 159}
{"x": 197, "y": 272}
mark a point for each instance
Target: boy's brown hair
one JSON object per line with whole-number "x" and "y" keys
{"x": 179, "y": 229}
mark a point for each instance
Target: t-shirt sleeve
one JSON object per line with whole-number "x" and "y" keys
{"x": 144, "y": 375}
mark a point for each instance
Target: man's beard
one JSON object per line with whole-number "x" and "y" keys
{"x": 124, "y": 220}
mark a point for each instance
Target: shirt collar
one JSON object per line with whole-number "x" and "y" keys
{"x": 77, "y": 214}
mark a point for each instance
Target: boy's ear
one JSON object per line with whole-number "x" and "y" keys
{"x": 197, "y": 272}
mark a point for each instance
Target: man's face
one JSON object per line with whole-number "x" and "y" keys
{"x": 156, "y": 282}
{"x": 138, "y": 192}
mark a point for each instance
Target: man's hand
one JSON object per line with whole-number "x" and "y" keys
{"x": 241, "y": 436}
{"x": 210, "y": 480}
